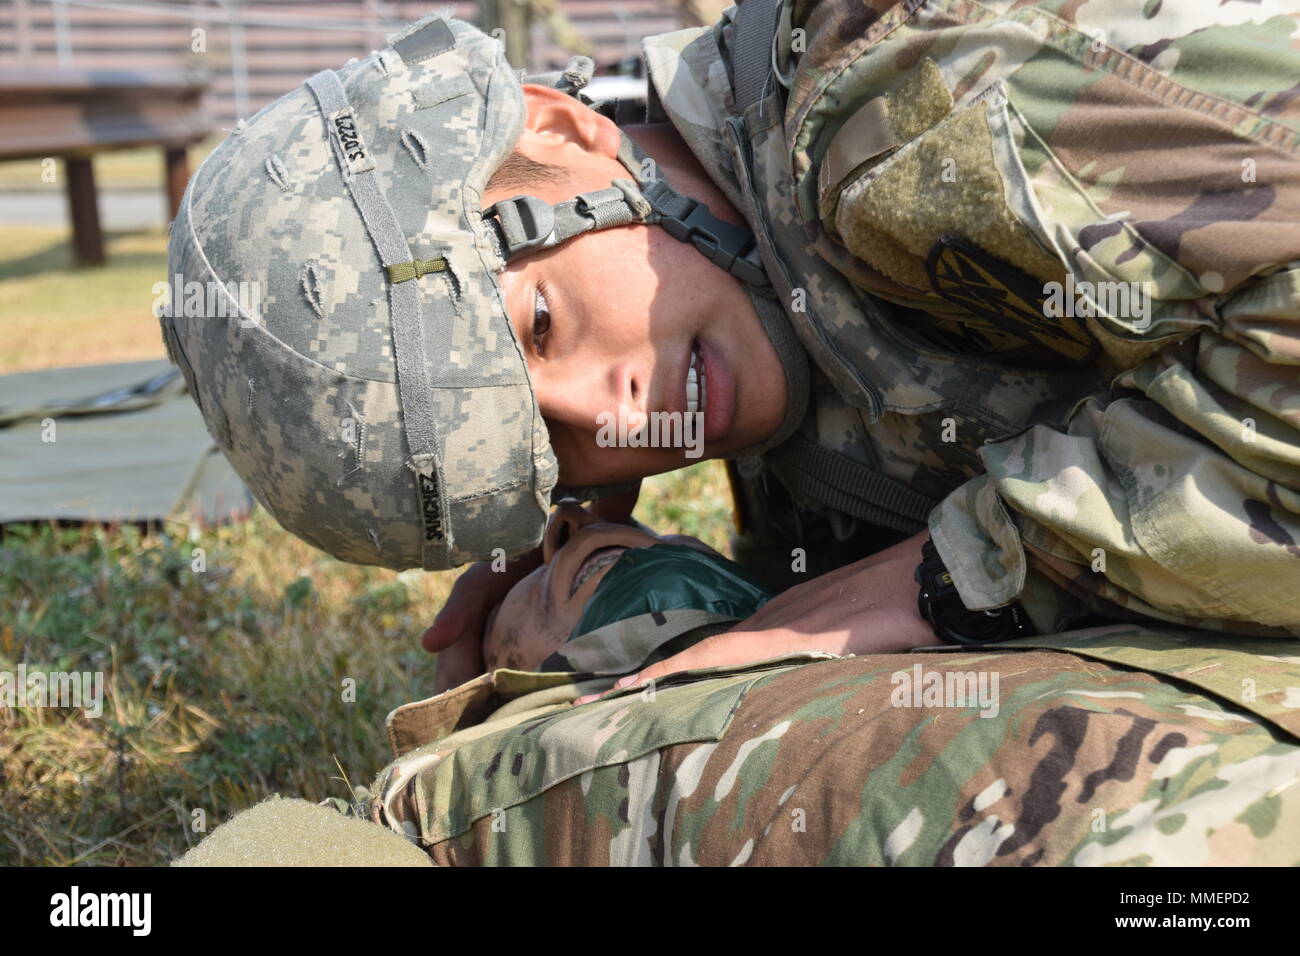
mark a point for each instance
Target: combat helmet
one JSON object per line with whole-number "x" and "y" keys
{"x": 376, "y": 401}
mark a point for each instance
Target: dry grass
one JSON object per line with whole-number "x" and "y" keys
{"x": 223, "y": 685}
{"x": 53, "y": 313}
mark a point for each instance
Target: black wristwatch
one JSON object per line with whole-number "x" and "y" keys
{"x": 953, "y": 623}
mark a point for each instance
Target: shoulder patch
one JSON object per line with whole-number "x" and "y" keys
{"x": 1009, "y": 298}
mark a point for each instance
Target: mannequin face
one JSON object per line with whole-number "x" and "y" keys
{"x": 611, "y": 319}
{"x": 541, "y": 611}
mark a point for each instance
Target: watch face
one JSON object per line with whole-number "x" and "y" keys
{"x": 990, "y": 627}
{"x": 941, "y": 605}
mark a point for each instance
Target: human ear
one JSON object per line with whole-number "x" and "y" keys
{"x": 559, "y": 129}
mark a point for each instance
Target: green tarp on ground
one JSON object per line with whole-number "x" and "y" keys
{"x": 126, "y": 443}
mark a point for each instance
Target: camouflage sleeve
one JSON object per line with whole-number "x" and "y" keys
{"x": 1175, "y": 492}
{"x": 1174, "y": 495}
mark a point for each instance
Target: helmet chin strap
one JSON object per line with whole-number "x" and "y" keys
{"x": 523, "y": 225}
{"x": 526, "y": 224}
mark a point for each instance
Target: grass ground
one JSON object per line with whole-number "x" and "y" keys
{"x": 222, "y": 685}
{"x": 53, "y": 313}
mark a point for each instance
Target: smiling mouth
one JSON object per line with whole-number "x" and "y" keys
{"x": 594, "y": 563}
{"x": 697, "y": 385}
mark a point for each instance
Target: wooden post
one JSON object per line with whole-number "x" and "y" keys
{"x": 514, "y": 18}
{"x": 87, "y": 239}
{"x": 518, "y": 24}
{"x": 178, "y": 174}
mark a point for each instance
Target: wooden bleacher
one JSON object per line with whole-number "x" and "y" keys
{"x": 74, "y": 114}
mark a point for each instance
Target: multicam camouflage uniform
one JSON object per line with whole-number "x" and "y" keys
{"x": 920, "y": 175}
{"x": 1092, "y": 757}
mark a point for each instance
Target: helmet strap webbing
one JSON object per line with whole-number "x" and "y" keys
{"x": 413, "y": 386}
{"x": 526, "y": 224}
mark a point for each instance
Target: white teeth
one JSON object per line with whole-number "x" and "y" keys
{"x": 697, "y": 391}
{"x": 595, "y": 562}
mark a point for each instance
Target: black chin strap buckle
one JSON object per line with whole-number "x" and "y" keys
{"x": 523, "y": 223}
{"x": 526, "y": 223}
{"x": 725, "y": 244}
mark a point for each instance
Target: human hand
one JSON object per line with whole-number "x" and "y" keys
{"x": 864, "y": 608}
{"x": 456, "y": 635}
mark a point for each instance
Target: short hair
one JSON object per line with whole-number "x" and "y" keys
{"x": 517, "y": 171}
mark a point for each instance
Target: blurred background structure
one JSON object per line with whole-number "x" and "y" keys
{"x": 255, "y": 50}
{"x": 87, "y": 78}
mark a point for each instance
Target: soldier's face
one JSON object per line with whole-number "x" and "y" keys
{"x": 541, "y": 611}
{"x": 613, "y": 322}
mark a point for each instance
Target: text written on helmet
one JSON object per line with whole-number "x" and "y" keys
{"x": 349, "y": 138}
{"x": 429, "y": 505}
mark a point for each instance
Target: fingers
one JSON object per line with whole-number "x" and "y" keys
{"x": 463, "y": 609}
{"x": 721, "y": 650}
{"x": 461, "y": 662}
{"x": 647, "y": 676}
{"x": 711, "y": 652}
{"x": 588, "y": 698}
{"x": 628, "y": 681}
{"x": 448, "y": 627}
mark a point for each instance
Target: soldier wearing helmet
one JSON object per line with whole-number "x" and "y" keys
{"x": 880, "y": 250}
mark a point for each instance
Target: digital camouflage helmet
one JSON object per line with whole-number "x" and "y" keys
{"x": 377, "y": 403}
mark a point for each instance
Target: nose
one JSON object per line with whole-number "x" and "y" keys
{"x": 627, "y": 383}
{"x": 581, "y": 401}
{"x": 565, "y": 522}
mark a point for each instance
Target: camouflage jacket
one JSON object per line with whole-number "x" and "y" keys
{"x": 1079, "y": 753}
{"x": 1045, "y": 257}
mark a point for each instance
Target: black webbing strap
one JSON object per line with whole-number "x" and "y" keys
{"x": 751, "y": 58}
{"x": 813, "y": 472}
